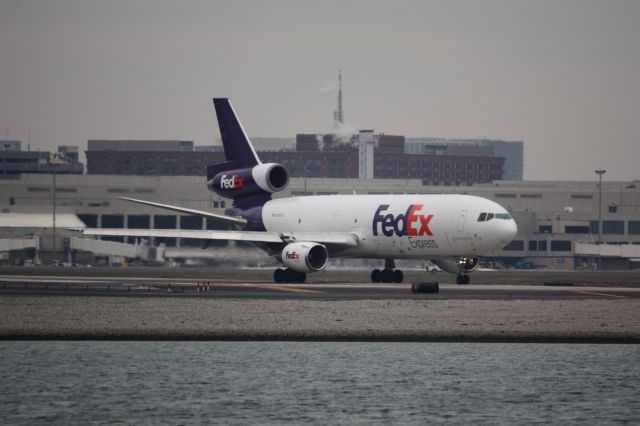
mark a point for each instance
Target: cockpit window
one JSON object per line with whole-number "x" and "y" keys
{"x": 488, "y": 216}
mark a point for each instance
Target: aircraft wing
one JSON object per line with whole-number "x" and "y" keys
{"x": 332, "y": 238}
{"x": 218, "y": 217}
{"x": 262, "y": 237}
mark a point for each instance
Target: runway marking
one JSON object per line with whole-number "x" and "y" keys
{"x": 601, "y": 294}
{"x": 284, "y": 288}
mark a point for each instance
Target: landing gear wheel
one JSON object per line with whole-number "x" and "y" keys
{"x": 389, "y": 274}
{"x": 462, "y": 279}
{"x": 289, "y": 275}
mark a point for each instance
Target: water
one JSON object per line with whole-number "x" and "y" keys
{"x": 317, "y": 383}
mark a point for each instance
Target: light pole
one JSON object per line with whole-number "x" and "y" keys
{"x": 52, "y": 161}
{"x": 306, "y": 171}
{"x": 600, "y": 173}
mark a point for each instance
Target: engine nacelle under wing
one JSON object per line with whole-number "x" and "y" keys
{"x": 305, "y": 257}
{"x": 461, "y": 265}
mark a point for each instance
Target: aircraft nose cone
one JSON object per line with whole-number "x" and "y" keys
{"x": 508, "y": 230}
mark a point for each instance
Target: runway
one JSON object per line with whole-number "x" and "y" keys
{"x": 192, "y": 304}
{"x": 137, "y": 286}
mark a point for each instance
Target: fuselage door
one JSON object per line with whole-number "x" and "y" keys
{"x": 462, "y": 217}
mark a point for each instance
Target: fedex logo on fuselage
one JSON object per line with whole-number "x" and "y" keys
{"x": 233, "y": 182}
{"x": 410, "y": 223}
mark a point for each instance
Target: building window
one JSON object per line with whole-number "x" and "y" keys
{"x": 37, "y": 189}
{"x": 594, "y": 226}
{"x": 90, "y": 220}
{"x": 506, "y": 196}
{"x": 544, "y": 229}
{"x": 190, "y": 222}
{"x": 530, "y": 195}
{"x": 515, "y": 245}
{"x": 139, "y": 221}
{"x": 213, "y": 224}
{"x": 66, "y": 189}
{"x": 560, "y": 245}
{"x": 615, "y": 227}
{"x": 162, "y": 221}
{"x": 542, "y": 245}
{"x": 576, "y": 229}
{"x": 112, "y": 221}
{"x": 582, "y": 196}
{"x": 634, "y": 227}
{"x": 533, "y": 245}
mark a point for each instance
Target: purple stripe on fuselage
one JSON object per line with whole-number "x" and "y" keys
{"x": 253, "y": 215}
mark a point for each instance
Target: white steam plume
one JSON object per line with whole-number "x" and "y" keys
{"x": 343, "y": 132}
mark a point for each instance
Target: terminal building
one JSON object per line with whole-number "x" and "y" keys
{"x": 558, "y": 226}
{"x": 511, "y": 151}
{"x": 14, "y": 161}
{"x": 313, "y": 155}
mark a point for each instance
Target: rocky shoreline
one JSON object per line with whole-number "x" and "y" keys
{"x": 42, "y": 317}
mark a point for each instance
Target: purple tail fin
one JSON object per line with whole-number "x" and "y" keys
{"x": 238, "y": 150}
{"x": 234, "y": 178}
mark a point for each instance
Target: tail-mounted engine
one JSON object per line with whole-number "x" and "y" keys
{"x": 305, "y": 257}
{"x": 269, "y": 178}
{"x": 461, "y": 265}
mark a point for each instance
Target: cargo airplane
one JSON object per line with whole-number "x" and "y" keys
{"x": 302, "y": 233}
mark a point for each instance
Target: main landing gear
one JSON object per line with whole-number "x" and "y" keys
{"x": 288, "y": 276}
{"x": 462, "y": 279}
{"x": 389, "y": 274}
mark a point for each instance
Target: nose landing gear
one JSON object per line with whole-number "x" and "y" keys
{"x": 462, "y": 279}
{"x": 389, "y": 274}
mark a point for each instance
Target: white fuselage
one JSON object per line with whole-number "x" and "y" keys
{"x": 398, "y": 226}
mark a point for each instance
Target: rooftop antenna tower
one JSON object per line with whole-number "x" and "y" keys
{"x": 338, "y": 117}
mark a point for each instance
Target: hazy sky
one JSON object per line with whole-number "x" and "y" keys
{"x": 563, "y": 76}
